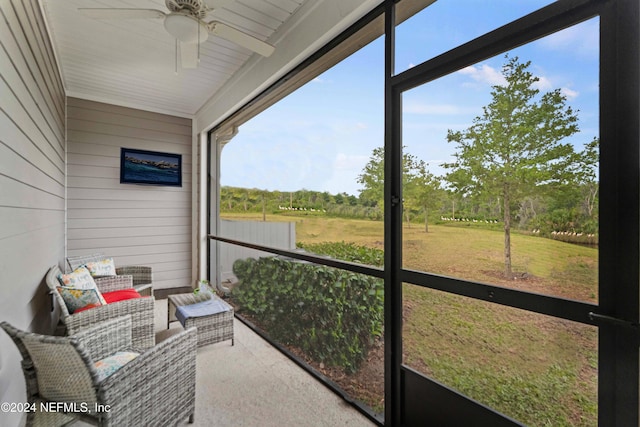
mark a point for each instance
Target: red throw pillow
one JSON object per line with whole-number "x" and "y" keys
{"x": 121, "y": 295}
{"x": 115, "y": 296}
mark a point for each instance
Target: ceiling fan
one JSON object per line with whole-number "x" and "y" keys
{"x": 185, "y": 22}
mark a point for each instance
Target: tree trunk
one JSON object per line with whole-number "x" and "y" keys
{"x": 264, "y": 209}
{"x": 408, "y": 219}
{"x": 507, "y": 238}
{"x": 426, "y": 219}
{"x": 591, "y": 200}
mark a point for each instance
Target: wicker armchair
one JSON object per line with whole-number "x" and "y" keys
{"x": 142, "y": 275}
{"x": 157, "y": 388}
{"x": 140, "y": 309}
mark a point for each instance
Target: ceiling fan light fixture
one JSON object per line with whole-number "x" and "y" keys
{"x": 185, "y": 28}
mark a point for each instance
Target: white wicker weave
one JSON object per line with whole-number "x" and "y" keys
{"x": 157, "y": 388}
{"x": 140, "y": 309}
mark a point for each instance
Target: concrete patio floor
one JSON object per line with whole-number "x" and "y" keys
{"x": 253, "y": 384}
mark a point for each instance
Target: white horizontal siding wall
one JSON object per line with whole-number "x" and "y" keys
{"x": 135, "y": 224}
{"x": 279, "y": 235}
{"x": 32, "y": 180}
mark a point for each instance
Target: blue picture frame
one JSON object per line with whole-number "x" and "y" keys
{"x": 150, "y": 167}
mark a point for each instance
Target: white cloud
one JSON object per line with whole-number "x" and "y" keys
{"x": 484, "y": 74}
{"x": 488, "y": 75}
{"x": 569, "y": 93}
{"x": 543, "y": 84}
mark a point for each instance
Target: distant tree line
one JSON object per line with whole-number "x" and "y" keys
{"x": 236, "y": 199}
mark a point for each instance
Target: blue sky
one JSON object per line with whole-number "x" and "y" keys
{"x": 321, "y": 136}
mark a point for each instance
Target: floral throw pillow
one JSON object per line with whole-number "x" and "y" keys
{"x": 80, "y": 279}
{"x": 105, "y": 267}
{"x": 111, "y": 364}
{"x": 76, "y": 299}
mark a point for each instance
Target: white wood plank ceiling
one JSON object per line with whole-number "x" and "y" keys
{"x": 132, "y": 62}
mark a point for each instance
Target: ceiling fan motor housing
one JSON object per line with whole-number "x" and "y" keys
{"x": 184, "y": 19}
{"x": 196, "y": 8}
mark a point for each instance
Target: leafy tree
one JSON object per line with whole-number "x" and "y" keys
{"x": 572, "y": 206}
{"x": 411, "y": 184}
{"x": 420, "y": 188}
{"x": 227, "y": 196}
{"x": 428, "y": 191}
{"x": 588, "y": 176}
{"x": 245, "y": 199}
{"x": 372, "y": 178}
{"x": 515, "y": 145}
{"x": 417, "y": 183}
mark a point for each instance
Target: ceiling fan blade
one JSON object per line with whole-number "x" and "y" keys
{"x": 110, "y": 13}
{"x": 238, "y": 37}
{"x": 189, "y": 55}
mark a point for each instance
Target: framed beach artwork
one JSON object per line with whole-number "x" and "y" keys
{"x": 150, "y": 167}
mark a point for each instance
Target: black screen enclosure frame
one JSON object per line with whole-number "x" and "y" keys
{"x": 412, "y": 399}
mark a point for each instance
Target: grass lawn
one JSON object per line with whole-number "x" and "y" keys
{"x": 539, "y": 370}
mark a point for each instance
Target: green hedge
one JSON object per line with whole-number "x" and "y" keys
{"x": 330, "y": 314}
{"x": 346, "y": 251}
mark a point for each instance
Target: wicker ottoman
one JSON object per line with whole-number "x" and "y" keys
{"x": 212, "y": 327}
